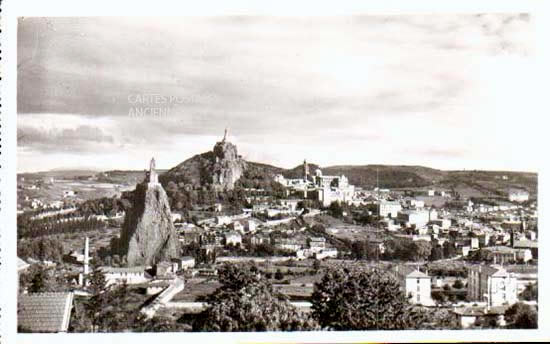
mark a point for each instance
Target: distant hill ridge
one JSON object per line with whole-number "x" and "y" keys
{"x": 203, "y": 169}
{"x": 223, "y": 168}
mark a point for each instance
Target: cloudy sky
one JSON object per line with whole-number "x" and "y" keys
{"x": 445, "y": 91}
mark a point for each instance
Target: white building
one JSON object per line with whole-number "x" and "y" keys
{"x": 130, "y": 275}
{"x": 518, "y": 196}
{"x": 316, "y": 242}
{"x": 492, "y": 284}
{"x": 414, "y": 203}
{"x": 417, "y": 218}
{"x": 419, "y": 288}
{"x": 260, "y": 239}
{"x": 333, "y": 188}
{"x": 290, "y": 204}
{"x": 223, "y": 220}
{"x": 329, "y": 252}
{"x": 442, "y": 223}
{"x": 187, "y": 262}
{"x": 68, "y": 193}
{"x": 287, "y": 244}
{"x": 233, "y": 238}
{"x": 389, "y": 208}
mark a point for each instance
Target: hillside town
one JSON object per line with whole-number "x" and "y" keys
{"x": 467, "y": 262}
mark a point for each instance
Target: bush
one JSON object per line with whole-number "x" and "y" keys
{"x": 458, "y": 284}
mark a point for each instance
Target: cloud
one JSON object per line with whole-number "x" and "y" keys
{"x": 81, "y": 139}
{"x": 349, "y": 82}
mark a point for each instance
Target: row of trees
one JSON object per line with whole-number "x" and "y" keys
{"x": 27, "y": 228}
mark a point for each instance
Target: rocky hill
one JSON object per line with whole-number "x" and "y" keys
{"x": 148, "y": 235}
{"x": 221, "y": 168}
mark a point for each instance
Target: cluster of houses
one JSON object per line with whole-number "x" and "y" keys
{"x": 491, "y": 289}
{"x": 231, "y": 231}
{"x": 501, "y": 232}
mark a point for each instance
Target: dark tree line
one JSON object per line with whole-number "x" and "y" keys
{"x": 28, "y": 228}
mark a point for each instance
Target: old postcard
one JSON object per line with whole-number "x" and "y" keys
{"x": 288, "y": 178}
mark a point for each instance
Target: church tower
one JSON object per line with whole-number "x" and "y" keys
{"x": 153, "y": 176}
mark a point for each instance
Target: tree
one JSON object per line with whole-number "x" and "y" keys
{"x": 335, "y": 209}
{"x": 97, "y": 302}
{"x": 458, "y": 284}
{"x": 359, "y": 249}
{"x": 449, "y": 249}
{"x": 316, "y": 265}
{"x": 362, "y": 300}
{"x": 436, "y": 253}
{"x": 531, "y": 292}
{"x": 279, "y": 275}
{"x": 420, "y": 250}
{"x": 158, "y": 324}
{"x": 246, "y": 302}
{"x": 42, "y": 281}
{"x": 521, "y": 316}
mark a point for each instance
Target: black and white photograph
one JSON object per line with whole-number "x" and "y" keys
{"x": 253, "y": 173}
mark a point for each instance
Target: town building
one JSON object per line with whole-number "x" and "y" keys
{"x": 187, "y": 262}
{"x": 130, "y": 275}
{"x": 415, "y": 283}
{"x": 442, "y": 223}
{"x": 389, "y": 208}
{"x": 233, "y": 238}
{"x": 418, "y": 287}
{"x": 328, "y": 252}
{"x": 416, "y": 218}
{"x": 166, "y": 269}
{"x": 503, "y": 255}
{"x": 468, "y": 316}
{"x": 287, "y": 244}
{"x": 491, "y": 284}
{"x": 44, "y": 312}
{"x": 316, "y": 242}
{"x": 260, "y": 239}
{"x": 518, "y": 196}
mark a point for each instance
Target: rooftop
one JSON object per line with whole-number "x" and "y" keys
{"x": 45, "y": 312}
{"x": 417, "y": 274}
{"x": 526, "y": 244}
{"x": 21, "y": 264}
{"x": 112, "y": 269}
{"x": 480, "y": 311}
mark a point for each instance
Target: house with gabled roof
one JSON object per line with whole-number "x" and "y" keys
{"x": 44, "y": 312}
